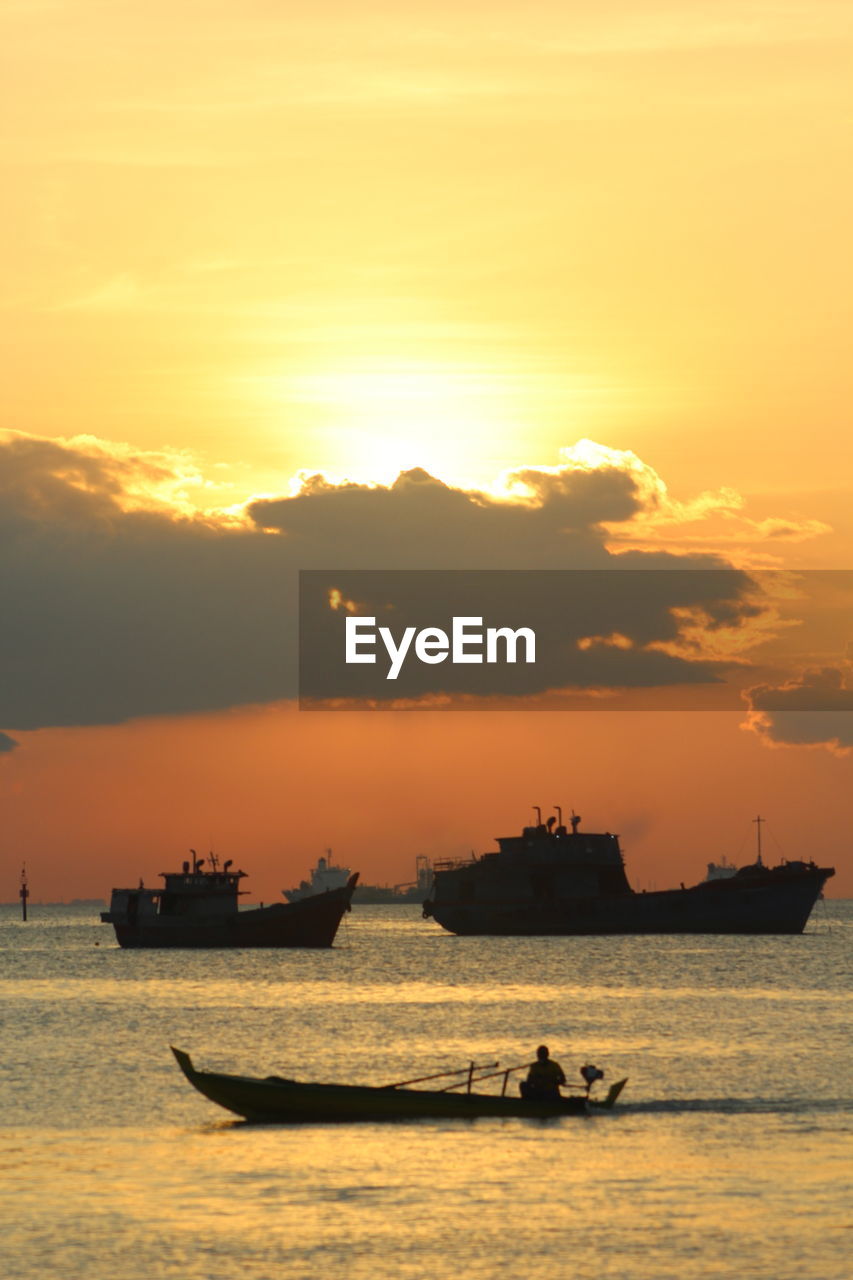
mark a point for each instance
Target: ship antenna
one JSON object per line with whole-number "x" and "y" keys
{"x": 575, "y": 822}
{"x": 758, "y": 821}
{"x": 559, "y": 815}
{"x": 538, "y": 814}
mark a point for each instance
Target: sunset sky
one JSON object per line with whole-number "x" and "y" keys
{"x": 581, "y": 273}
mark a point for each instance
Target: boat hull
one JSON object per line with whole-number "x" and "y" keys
{"x": 312, "y": 922}
{"x": 275, "y": 1100}
{"x": 775, "y": 902}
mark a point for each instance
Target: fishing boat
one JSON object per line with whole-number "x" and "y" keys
{"x": 552, "y": 881}
{"x": 274, "y": 1099}
{"x": 199, "y": 907}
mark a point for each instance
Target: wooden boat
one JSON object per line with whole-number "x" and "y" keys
{"x": 275, "y": 1099}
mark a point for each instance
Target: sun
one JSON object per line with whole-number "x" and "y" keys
{"x": 374, "y": 418}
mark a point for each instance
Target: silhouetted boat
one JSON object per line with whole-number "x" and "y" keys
{"x": 324, "y": 876}
{"x": 275, "y": 1099}
{"x": 722, "y": 870}
{"x": 398, "y": 894}
{"x": 198, "y": 908}
{"x": 556, "y": 882}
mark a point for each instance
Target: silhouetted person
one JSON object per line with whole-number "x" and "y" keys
{"x": 544, "y": 1078}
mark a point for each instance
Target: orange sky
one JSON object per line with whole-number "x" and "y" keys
{"x": 272, "y": 788}
{"x": 316, "y": 236}
{"x": 244, "y": 242}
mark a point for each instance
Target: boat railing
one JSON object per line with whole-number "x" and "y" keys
{"x": 450, "y": 864}
{"x": 442, "y": 1075}
{"x": 506, "y": 1072}
{"x": 489, "y": 1070}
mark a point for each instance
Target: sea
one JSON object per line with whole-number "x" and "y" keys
{"x": 728, "y": 1155}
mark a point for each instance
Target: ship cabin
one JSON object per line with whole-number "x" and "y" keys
{"x": 192, "y": 891}
{"x": 548, "y": 857}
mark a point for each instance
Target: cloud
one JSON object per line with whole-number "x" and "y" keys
{"x": 86, "y": 481}
{"x": 813, "y": 709}
{"x": 535, "y": 517}
{"x": 594, "y": 629}
{"x": 121, "y": 600}
{"x": 7, "y": 743}
{"x": 714, "y": 520}
{"x": 421, "y": 522}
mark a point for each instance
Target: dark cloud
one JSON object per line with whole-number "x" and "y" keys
{"x": 6, "y": 743}
{"x": 48, "y": 482}
{"x": 594, "y": 629}
{"x": 815, "y": 709}
{"x": 112, "y": 608}
{"x": 111, "y": 613}
{"x": 583, "y": 499}
{"x": 419, "y": 522}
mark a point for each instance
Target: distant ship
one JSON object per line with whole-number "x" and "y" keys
{"x": 399, "y": 894}
{"x": 325, "y": 875}
{"x": 551, "y": 881}
{"x": 199, "y": 908}
{"x": 722, "y": 870}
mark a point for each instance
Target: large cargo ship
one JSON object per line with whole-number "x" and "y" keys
{"x": 199, "y": 907}
{"x": 552, "y": 881}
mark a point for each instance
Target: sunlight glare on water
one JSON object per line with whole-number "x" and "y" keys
{"x": 729, "y": 1157}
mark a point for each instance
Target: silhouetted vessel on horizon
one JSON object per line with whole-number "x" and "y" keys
{"x": 552, "y": 881}
{"x": 325, "y": 875}
{"x": 398, "y": 895}
{"x": 200, "y": 908}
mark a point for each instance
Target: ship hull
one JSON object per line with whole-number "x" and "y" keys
{"x": 313, "y": 922}
{"x": 774, "y": 903}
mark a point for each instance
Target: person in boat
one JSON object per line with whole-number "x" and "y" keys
{"x": 544, "y": 1078}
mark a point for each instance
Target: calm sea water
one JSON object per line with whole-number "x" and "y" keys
{"x": 730, "y": 1156}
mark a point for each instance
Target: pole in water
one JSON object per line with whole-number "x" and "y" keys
{"x": 24, "y": 892}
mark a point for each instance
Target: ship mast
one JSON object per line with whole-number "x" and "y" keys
{"x": 758, "y": 821}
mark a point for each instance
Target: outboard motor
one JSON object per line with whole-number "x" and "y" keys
{"x": 590, "y": 1075}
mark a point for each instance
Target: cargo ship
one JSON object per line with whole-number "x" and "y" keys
{"x": 412, "y": 891}
{"x": 553, "y": 881}
{"x": 198, "y": 906}
{"x": 325, "y": 875}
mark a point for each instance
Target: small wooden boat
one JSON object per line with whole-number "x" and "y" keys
{"x": 275, "y": 1099}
